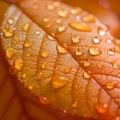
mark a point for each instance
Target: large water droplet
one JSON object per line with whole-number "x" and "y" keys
{"x": 76, "y": 10}
{"x": 59, "y": 81}
{"x": 63, "y": 13}
{"x": 88, "y": 18}
{"x": 80, "y": 26}
{"x": 44, "y": 54}
{"x": 79, "y": 52}
{"x": 28, "y": 44}
{"x": 96, "y": 40}
{"x": 101, "y": 108}
{"x": 7, "y": 33}
{"x": 75, "y": 39}
{"x": 94, "y": 51}
{"x": 43, "y": 100}
{"x": 110, "y": 85}
{"x": 111, "y": 51}
{"x": 18, "y": 63}
{"x": 62, "y": 28}
{"x": 61, "y": 50}
{"x": 10, "y": 53}
{"x": 67, "y": 69}
{"x": 25, "y": 27}
{"x": 10, "y": 21}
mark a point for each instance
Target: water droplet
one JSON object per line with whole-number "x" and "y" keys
{"x": 67, "y": 69}
{"x": 25, "y": 27}
{"x": 108, "y": 41}
{"x": 39, "y": 75}
{"x": 116, "y": 42}
{"x": 110, "y": 85}
{"x": 116, "y": 66}
{"x": 74, "y": 105}
{"x": 59, "y": 81}
{"x": 99, "y": 65}
{"x": 111, "y": 51}
{"x": 86, "y": 75}
{"x": 61, "y": 50}
{"x": 63, "y": 13}
{"x": 43, "y": 65}
{"x": 49, "y": 25}
{"x": 79, "y": 52}
{"x": 46, "y": 19}
{"x": 76, "y": 10}
{"x": 10, "y": 21}
{"x": 35, "y": 6}
{"x": 37, "y": 32}
{"x": 88, "y": 18}
{"x": 61, "y": 28}
{"x": 75, "y": 39}
{"x": 59, "y": 21}
{"x": 44, "y": 54}
{"x": 18, "y": 63}
{"x": 27, "y": 44}
{"x": 49, "y": 37}
{"x": 96, "y": 40}
{"x": 50, "y": 7}
{"x": 24, "y": 75}
{"x": 87, "y": 64}
{"x": 10, "y": 53}
{"x": 94, "y": 51}
{"x": 80, "y": 26}
{"x": 101, "y": 31}
{"x": 7, "y": 33}
{"x": 44, "y": 100}
{"x": 30, "y": 87}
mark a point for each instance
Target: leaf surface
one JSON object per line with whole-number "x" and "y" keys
{"x": 65, "y": 56}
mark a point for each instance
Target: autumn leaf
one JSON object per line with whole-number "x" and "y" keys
{"x": 65, "y": 56}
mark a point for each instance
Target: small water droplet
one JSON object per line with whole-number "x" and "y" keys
{"x": 99, "y": 65}
{"x": 27, "y": 44}
{"x": 110, "y": 85}
{"x": 10, "y": 52}
{"x": 49, "y": 25}
{"x": 37, "y": 32}
{"x": 76, "y": 10}
{"x": 67, "y": 69}
{"x": 87, "y": 64}
{"x": 116, "y": 66}
{"x": 96, "y": 40}
{"x": 7, "y": 33}
{"x": 44, "y": 54}
{"x": 61, "y": 50}
{"x": 44, "y": 100}
{"x": 30, "y": 87}
{"x": 49, "y": 37}
{"x": 39, "y": 75}
{"x": 50, "y": 7}
{"x": 75, "y": 39}
{"x": 101, "y": 108}
{"x": 62, "y": 28}
{"x": 111, "y": 51}
{"x": 25, "y": 27}
{"x": 94, "y": 51}
{"x": 108, "y": 41}
{"x": 10, "y": 21}
{"x": 101, "y": 31}
{"x": 59, "y": 81}
{"x": 43, "y": 65}
{"x": 18, "y": 63}
{"x": 79, "y": 52}
{"x": 74, "y": 104}
{"x": 63, "y": 13}
{"x": 24, "y": 75}
{"x": 86, "y": 75}
{"x": 46, "y": 19}
{"x": 116, "y": 42}
{"x": 80, "y": 26}
{"x": 59, "y": 21}
{"x": 88, "y": 18}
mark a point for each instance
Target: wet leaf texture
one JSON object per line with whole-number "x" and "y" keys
{"x": 65, "y": 57}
